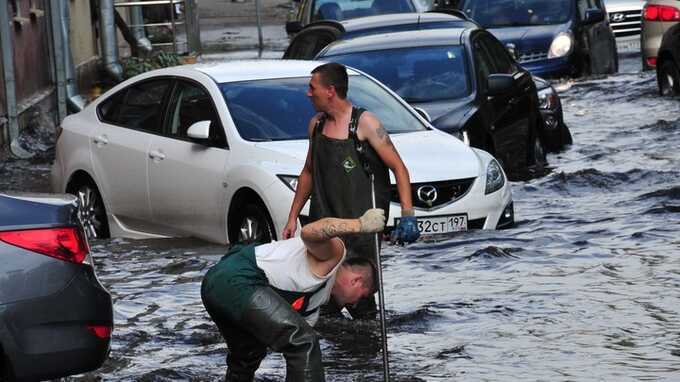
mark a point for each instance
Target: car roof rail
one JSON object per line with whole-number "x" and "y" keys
{"x": 452, "y": 12}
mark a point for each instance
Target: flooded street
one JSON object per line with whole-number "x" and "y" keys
{"x": 585, "y": 286}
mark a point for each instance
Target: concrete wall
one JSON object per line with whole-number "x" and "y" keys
{"x": 84, "y": 43}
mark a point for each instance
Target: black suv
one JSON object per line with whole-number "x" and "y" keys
{"x": 464, "y": 81}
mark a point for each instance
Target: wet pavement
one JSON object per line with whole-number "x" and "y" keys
{"x": 585, "y": 287}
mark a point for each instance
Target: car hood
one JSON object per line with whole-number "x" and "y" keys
{"x": 430, "y": 155}
{"x": 446, "y": 115}
{"x": 533, "y": 38}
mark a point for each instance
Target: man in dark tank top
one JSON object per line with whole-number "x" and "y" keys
{"x": 343, "y": 139}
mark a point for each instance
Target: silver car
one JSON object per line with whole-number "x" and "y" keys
{"x": 658, "y": 16}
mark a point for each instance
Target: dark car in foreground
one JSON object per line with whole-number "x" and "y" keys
{"x": 668, "y": 63}
{"x": 463, "y": 79}
{"x": 316, "y": 36}
{"x": 55, "y": 317}
{"x": 556, "y": 38}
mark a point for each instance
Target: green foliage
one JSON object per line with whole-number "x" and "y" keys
{"x": 133, "y": 66}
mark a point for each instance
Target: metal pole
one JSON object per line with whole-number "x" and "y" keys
{"x": 259, "y": 24}
{"x": 381, "y": 295}
{"x": 8, "y": 71}
{"x": 172, "y": 21}
{"x": 192, "y": 26}
{"x": 59, "y": 60}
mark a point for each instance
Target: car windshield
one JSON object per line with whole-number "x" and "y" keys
{"x": 278, "y": 109}
{"x": 351, "y": 9}
{"x": 422, "y": 74}
{"x": 505, "y": 13}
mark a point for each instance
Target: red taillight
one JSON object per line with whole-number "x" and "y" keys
{"x": 101, "y": 331}
{"x": 67, "y": 244}
{"x": 661, "y": 13}
{"x": 651, "y": 61}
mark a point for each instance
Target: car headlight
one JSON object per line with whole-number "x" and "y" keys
{"x": 547, "y": 98}
{"x": 561, "y": 45}
{"x": 289, "y": 180}
{"x": 494, "y": 177}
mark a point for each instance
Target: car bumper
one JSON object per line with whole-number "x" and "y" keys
{"x": 651, "y": 37}
{"x": 554, "y": 135}
{"x": 482, "y": 211}
{"x": 550, "y": 67}
{"x": 48, "y": 337}
{"x": 57, "y": 175}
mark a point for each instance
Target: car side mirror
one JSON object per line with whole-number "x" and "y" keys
{"x": 199, "y": 131}
{"x": 512, "y": 49}
{"x": 293, "y": 27}
{"x": 498, "y": 84}
{"x": 594, "y": 16}
{"x": 423, "y": 113}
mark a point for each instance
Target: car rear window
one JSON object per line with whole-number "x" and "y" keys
{"x": 278, "y": 109}
{"x": 350, "y": 9}
{"x": 507, "y": 13}
{"x": 419, "y": 74}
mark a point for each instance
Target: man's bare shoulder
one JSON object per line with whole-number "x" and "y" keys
{"x": 369, "y": 125}
{"x": 313, "y": 122}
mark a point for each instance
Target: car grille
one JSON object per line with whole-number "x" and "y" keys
{"x": 444, "y": 192}
{"x": 532, "y": 56}
{"x": 626, "y": 23}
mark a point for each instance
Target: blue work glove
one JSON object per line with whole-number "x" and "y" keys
{"x": 407, "y": 230}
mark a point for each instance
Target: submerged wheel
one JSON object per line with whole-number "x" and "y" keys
{"x": 668, "y": 78}
{"x": 252, "y": 224}
{"x": 536, "y": 152}
{"x": 91, "y": 210}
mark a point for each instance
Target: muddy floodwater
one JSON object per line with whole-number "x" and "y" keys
{"x": 585, "y": 287}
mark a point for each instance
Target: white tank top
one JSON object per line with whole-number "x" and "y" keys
{"x": 286, "y": 265}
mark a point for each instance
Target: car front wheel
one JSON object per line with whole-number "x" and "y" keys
{"x": 251, "y": 225}
{"x": 668, "y": 78}
{"x": 91, "y": 210}
{"x": 536, "y": 151}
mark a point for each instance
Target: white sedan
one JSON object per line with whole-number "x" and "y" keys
{"x": 213, "y": 151}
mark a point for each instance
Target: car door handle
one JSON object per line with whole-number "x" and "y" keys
{"x": 101, "y": 140}
{"x": 156, "y": 155}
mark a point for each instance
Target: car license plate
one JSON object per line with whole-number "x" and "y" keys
{"x": 628, "y": 46}
{"x": 435, "y": 225}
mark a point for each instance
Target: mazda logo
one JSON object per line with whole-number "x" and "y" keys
{"x": 427, "y": 194}
{"x": 617, "y": 17}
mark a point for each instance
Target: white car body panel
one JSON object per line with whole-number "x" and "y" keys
{"x": 119, "y": 153}
{"x": 180, "y": 184}
{"x": 190, "y": 190}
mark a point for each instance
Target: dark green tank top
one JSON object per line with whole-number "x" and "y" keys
{"x": 340, "y": 185}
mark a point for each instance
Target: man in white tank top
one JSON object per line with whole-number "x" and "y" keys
{"x": 268, "y": 296}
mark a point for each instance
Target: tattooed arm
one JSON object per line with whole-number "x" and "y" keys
{"x": 372, "y": 130}
{"x": 322, "y": 237}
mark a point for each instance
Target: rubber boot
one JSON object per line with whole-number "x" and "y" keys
{"x": 272, "y": 321}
